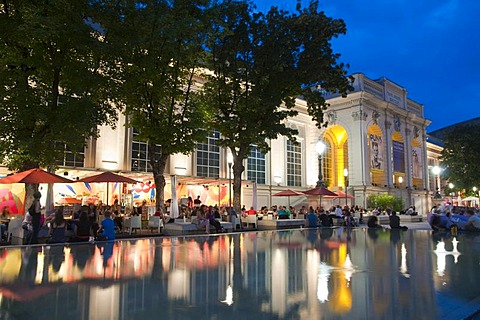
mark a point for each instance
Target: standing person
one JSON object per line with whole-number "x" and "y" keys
{"x": 190, "y": 202}
{"x": 36, "y": 213}
{"x": 197, "y": 202}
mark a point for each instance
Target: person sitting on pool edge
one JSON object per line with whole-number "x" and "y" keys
{"x": 473, "y": 222}
{"x": 372, "y": 223}
{"x": 107, "y": 229}
{"x": 395, "y": 221}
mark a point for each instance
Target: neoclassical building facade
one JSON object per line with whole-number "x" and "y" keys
{"x": 375, "y": 141}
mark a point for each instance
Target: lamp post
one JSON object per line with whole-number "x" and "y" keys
{"x": 451, "y": 186}
{"x": 320, "y": 148}
{"x": 436, "y": 171}
{"x": 474, "y": 191}
{"x": 400, "y": 181}
{"x": 230, "y": 163}
{"x": 345, "y": 175}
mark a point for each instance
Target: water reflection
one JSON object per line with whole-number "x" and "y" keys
{"x": 301, "y": 274}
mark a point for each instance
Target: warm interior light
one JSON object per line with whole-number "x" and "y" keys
{"x": 229, "y": 158}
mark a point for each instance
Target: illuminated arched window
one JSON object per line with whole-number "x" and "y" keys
{"x": 327, "y": 163}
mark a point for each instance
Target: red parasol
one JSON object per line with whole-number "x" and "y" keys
{"x": 108, "y": 177}
{"x": 320, "y": 191}
{"x": 341, "y": 194}
{"x": 35, "y": 176}
{"x": 288, "y": 193}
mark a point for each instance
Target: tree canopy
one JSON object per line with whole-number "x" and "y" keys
{"x": 51, "y": 81}
{"x": 260, "y": 66}
{"x": 158, "y": 49}
{"x": 460, "y": 156}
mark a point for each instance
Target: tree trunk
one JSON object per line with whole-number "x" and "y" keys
{"x": 238, "y": 169}
{"x": 158, "y": 165}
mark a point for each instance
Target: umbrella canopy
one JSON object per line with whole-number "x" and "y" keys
{"x": 320, "y": 191}
{"x": 471, "y": 199}
{"x": 107, "y": 177}
{"x": 35, "y": 176}
{"x": 341, "y": 194}
{"x": 288, "y": 193}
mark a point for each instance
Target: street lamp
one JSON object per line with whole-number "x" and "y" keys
{"x": 436, "y": 171}
{"x": 230, "y": 163}
{"x": 474, "y": 191}
{"x": 400, "y": 181}
{"x": 345, "y": 175}
{"x": 320, "y": 147}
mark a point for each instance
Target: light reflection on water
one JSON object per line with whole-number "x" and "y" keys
{"x": 292, "y": 274}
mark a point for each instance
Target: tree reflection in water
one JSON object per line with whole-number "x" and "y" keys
{"x": 295, "y": 274}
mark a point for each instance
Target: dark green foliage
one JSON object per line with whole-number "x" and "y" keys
{"x": 157, "y": 54}
{"x": 51, "y": 84}
{"x": 460, "y": 156}
{"x": 262, "y": 62}
{"x": 385, "y": 201}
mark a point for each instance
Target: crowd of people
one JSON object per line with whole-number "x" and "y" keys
{"x": 448, "y": 217}
{"x": 84, "y": 224}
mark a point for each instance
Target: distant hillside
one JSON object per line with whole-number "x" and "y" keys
{"x": 440, "y": 133}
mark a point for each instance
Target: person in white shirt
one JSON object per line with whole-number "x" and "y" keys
{"x": 338, "y": 212}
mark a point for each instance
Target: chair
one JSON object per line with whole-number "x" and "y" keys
{"x": 252, "y": 219}
{"x": 154, "y": 222}
{"x": 15, "y": 228}
{"x": 237, "y": 223}
{"x": 135, "y": 222}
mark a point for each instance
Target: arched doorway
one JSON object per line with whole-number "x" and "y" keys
{"x": 335, "y": 158}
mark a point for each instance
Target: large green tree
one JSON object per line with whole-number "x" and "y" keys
{"x": 261, "y": 63}
{"x": 160, "y": 46}
{"x": 460, "y": 156}
{"x": 52, "y": 88}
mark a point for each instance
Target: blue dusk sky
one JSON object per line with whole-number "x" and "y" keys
{"x": 429, "y": 47}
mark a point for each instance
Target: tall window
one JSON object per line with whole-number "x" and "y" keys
{"x": 256, "y": 166}
{"x": 327, "y": 164}
{"x": 294, "y": 164}
{"x": 208, "y": 157}
{"x": 68, "y": 157}
{"x": 140, "y": 158}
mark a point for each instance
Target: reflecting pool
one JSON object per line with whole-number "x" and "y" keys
{"x": 291, "y": 274}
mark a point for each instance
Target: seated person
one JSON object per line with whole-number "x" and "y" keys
{"x": 312, "y": 219}
{"x": 372, "y": 222}
{"x": 77, "y": 210}
{"x": 251, "y": 212}
{"x": 282, "y": 213}
{"x": 212, "y": 220}
{"x": 57, "y": 228}
{"x": 326, "y": 220}
{"x": 395, "y": 221}
{"x": 202, "y": 220}
{"x": 473, "y": 222}
{"x": 83, "y": 228}
{"x": 107, "y": 229}
{"x": 440, "y": 221}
